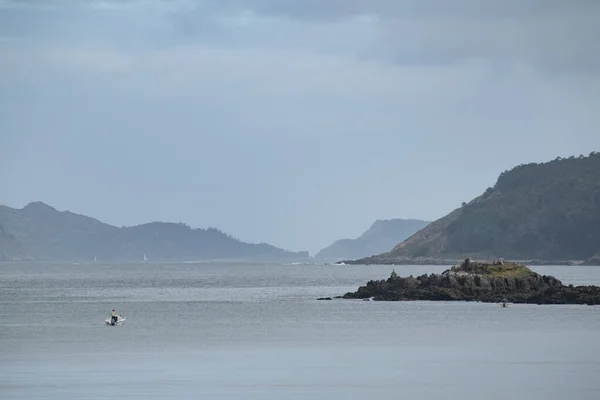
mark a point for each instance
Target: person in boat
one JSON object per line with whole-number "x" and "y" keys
{"x": 113, "y": 317}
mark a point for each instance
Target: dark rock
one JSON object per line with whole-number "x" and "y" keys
{"x": 473, "y": 281}
{"x": 324, "y": 298}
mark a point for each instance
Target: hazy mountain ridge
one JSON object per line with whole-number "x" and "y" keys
{"x": 49, "y": 234}
{"x": 381, "y": 236}
{"x": 545, "y": 211}
{"x": 10, "y": 248}
{"x": 594, "y": 260}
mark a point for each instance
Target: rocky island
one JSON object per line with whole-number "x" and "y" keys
{"x": 479, "y": 281}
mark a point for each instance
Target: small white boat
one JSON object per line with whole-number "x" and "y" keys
{"x": 120, "y": 321}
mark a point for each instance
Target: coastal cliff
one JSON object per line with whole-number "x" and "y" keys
{"x": 476, "y": 281}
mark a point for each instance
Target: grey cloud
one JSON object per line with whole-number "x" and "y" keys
{"x": 318, "y": 9}
{"x": 553, "y": 36}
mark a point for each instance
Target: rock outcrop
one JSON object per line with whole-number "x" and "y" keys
{"x": 475, "y": 281}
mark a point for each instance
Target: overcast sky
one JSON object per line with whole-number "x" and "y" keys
{"x": 290, "y": 122}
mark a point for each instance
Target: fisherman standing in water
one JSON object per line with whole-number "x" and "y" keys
{"x": 113, "y": 317}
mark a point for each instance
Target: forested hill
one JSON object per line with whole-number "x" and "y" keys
{"x": 49, "y": 234}
{"x": 545, "y": 211}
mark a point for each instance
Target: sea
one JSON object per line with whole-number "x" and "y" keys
{"x": 257, "y": 331}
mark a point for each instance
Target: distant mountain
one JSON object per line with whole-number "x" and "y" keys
{"x": 380, "y": 237}
{"x": 10, "y": 248}
{"x": 594, "y": 260}
{"x": 547, "y": 211}
{"x": 49, "y": 234}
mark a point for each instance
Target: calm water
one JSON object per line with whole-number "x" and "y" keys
{"x": 219, "y": 331}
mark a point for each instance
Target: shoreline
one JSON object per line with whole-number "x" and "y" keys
{"x": 440, "y": 261}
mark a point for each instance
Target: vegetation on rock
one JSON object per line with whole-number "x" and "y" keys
{"x": 495, "y": 269}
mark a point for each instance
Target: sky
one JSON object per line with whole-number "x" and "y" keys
{"x": 289, "y": 122}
